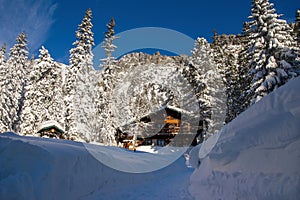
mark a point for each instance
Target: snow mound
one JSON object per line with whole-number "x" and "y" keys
{"x": 257, "y": 156}
{"x": 44, "y": 168}
{"x": 149, "y": 149}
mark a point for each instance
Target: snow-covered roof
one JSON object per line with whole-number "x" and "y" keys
{"x": 179, "y": 110}
{"x": 174, "y": 108}
{"x": 50, "y": 123}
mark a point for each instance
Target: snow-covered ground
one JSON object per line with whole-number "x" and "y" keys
{"x": 257, "y": 156}
{"x": 42, "y": 168}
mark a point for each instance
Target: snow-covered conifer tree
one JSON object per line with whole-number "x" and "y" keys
{"x": 233, "y": 81}
{"x": 219, "y": 57}
{"x": 2, "y": 59}
{"x": 109, "y": 77}
{"x": 3, "y": 66}
{"x": 272, "y": 50}
{"x": 226, "y": 50}
{"x": 297, "y": 27}
{"x": 209, "y": 86}
{"x": 79, "y": 88}
{"x": 243, "y": 70}
{"x": 4, "y": 118}
{"x": 108, "y": 43}
{"x": 297, "y": 33}
{"x": 44, "y": 98}
{"x": 16, "y": 78}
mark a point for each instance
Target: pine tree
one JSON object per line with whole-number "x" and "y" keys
{"x": 16, "y": 78}
{"x": 243, "y": 70}
{"x": 109, "y": 77}
{"x": 3, "y": 66}
{"x": 43, "y": 99}
{"x": 297, "y": 27}
{"x": 209, "y": 86}
{"x": 79, "y": 89}
{"x": 219, "y": 55}
{"x": 2, "y": 60}
{"x": 297, "y": 34}
{"x": 227, "y": 49}
{"x": 232, "y": 78}
{"x": 108, "y": 44}
{"x": 272, "y": 50}
{"x": 4, "y": 118}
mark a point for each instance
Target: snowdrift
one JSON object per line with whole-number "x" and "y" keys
{"x": 41, "y": 168}
{"x": 257, "y": 156}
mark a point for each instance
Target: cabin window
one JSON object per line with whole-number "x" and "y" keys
{"x": 160, "y": 143}
{"x": 148, "y": 142}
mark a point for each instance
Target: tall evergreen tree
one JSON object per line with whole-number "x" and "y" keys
{"x": 209, "y": 86}
{"x": 297, "y": 33}
{"x": 108, "y": 43}
{"x": 2, "y": 58}
{"x": 43, "y": 99}
{"x": 271, "y": 49}
{"x": 3, "y": 66}
{"x": 227, "y": 49}
{"x": 16, "y": 79}
{"x": 80, "y": 112}
{"x": 297, "y": 27}
{"x": 109, "y": 77}
{"x": 3, "y": 82}
{"x": 234, "y": 81}
{"x": 243, "y": 70}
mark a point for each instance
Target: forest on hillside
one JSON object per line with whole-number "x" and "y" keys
{"x": 92, "y": 104}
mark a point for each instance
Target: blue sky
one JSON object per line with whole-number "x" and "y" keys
{"x": 53, "y": 23}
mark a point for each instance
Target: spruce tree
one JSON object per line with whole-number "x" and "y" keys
{"x": 272, "y": 50}
{"x": 108, "y": 43}
{"x": 4, "y": 118}
{"x": 297, "y": 33}
{"x": 79, "y": 89}
{"x": 232, "y": 81}
{"x": 3, "y": 65}
{"x": 243, "y": 70}
{"x": 109, "y": 77}
{"x": 227, "y": 49}
{"x": 297, "y": 27}
{"x": 16, "y": 79}
{"x": 2, "y": 60}
{"x": 209, "y": 87}
{"x": 43, "y": 99}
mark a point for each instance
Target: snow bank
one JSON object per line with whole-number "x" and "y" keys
{"x": 41, "y": 168}
{"x": 257, "y": 156}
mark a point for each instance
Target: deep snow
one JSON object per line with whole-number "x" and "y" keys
{"x": 42, "y": 168}
{"x": 256, "y": 156}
